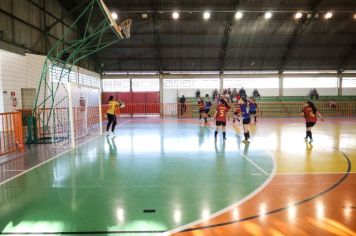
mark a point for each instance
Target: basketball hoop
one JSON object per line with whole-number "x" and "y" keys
{"x": 125, "y": 27}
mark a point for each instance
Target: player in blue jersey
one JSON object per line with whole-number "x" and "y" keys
{"x": 246, "y": 119}
{"x": 253, "y": 109}
{"x": 207, "y": 107}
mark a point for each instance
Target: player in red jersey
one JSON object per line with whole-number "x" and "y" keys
{"x": 237, "y": 112}
{"x": 220, "y": 117}
{"x": 201, "y": 107}
{"x": 310, "y": 114}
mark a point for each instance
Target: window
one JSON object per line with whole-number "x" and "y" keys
{"x": 312, "y": 82}
{"x": 251, "y": 83}
{"x": 57, "y": 72}
{"x": 116, "y": 85}
{"x": 141, "y": 85}
{"x": 191, "y": 83}
{"x": 349, "y": 82}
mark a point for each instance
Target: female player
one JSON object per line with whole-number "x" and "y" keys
{"x": 201, "y": 107}
{"x": 220, "y": 117}
{"x": 237, "y": 112}
{"x": 207, "y": 107}
{"x": 253, "y": 109}
{"x": 111, "y": 114}
{"x": 246, "y": 119}
{"x": 311, "y": 115}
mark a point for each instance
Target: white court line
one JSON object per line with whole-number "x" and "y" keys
{"x": 229, "y": 208}
{"x": 12, "y": 170}
{"x": 246, "y": 157}
{"x": 253, "y": 163}
{"x": 52, "y": 158}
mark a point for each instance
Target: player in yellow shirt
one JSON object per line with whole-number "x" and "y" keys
{"x": 111, "y": 113}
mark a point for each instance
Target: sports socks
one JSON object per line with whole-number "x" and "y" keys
{"x": 309, "y": 134}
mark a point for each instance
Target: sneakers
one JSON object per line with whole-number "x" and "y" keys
{"x": 306, "y": 139}
{"x": 311, "y": 140}
{"x": 245, "y": 141}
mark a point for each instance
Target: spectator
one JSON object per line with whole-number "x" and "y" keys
{"x": 314, "y": 93}
{"x": 215, "y": 93}
{"x": 217, "y": 98}
{"x": 234, "y": 92}
{"x": 197, "y": 93}
{"x": 256, "y": 94}
{"x": 332, "y": 104}
{"x": 183, "y": 106}
{"x": 242, "y": 92}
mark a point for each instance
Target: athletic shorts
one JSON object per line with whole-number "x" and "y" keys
{"x": 201, "y": 111}
{"x": 252, "y": 112}
{"x": 246, "y": 121}
{"x": 236, "y": 113}
{"x": 309, "y": 124}
{"x": 111, "y": 118}
{"x": 207, "y": 111}
{"x": 219, "y": 123}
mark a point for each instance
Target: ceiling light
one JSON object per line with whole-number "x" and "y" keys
{"x": 114, "y": 15}
{"x": 144, "y": 15}
{"x": 298, "y": 15}
{"x": 175, "y": 15}
{"x": 206, "y": 15}
{"x": 268, "y": 15}
{"x": 328, "y": 15}
{"x": 238, "y": 15}
{"x": 355, "y": 16}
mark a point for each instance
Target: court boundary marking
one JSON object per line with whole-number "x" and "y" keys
{"x": 333, "y": 186}
{"x": 52, "y": 158}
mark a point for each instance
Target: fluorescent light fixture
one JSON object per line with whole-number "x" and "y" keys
{"x": 328, "y": 15}
{"x": 144, "y": 15}
{"x": 268, "y": 15}
{"x": 238, "y": 15}
{"x": 175, "y": 15}
{"x": 114, "y": 15}
{"x": 298, "y": 15}
{"x": 206, "y": 15}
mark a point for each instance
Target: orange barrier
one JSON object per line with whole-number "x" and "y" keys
{"x": 11, "y": 136}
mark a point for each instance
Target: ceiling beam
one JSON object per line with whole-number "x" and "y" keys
{"x": 226, "y": 38}
{"x": 345, "y": 60}
{"x": 214, "y": 46}
{"x": 298, "y": 31}
{"x": 316, "y": 58}
{"x": 156, "y": 26}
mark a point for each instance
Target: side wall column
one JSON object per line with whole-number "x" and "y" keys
{"x": 161, "y": 91}
{"x": 280, "y": 76}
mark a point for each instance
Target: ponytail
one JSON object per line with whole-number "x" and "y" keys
{"x": 311, "y": 104}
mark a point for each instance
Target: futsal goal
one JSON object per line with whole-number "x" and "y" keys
{"x": 65, "y": 113}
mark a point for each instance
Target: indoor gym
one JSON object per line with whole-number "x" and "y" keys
{"x": 162, "y": 171}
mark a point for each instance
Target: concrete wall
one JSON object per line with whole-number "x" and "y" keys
{"x": 18, "y": 72}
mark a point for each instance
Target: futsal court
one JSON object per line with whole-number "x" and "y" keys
{"x": 171, "y": 176}
{"x": 182, "y": 118}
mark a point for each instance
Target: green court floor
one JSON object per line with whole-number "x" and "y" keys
{"x": 175, "y": 172}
